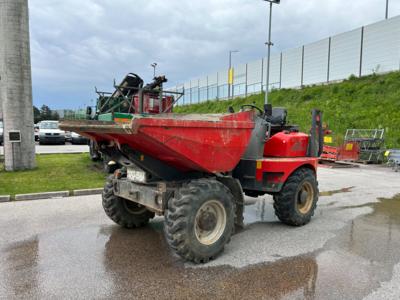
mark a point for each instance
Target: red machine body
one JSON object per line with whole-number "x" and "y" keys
{"x": 272, "y": 172}
{"x": 151, "y": 104}
{"x": 287, "y": 144}
{"x": 205, "y": 143}
{"x": 195, "y": 168}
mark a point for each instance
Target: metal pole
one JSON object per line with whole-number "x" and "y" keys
{"x": 329, "y": 59}
{"x": 387, "y": 10}
{"x": 361, "y": 51}
{"x": 154, "y": 65}
{"x": 269, "y": 44}
{"x": 229, "y": 75}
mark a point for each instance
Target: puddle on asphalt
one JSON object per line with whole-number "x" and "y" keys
{"x": 339, "y": 191}
{"x": 112, "y": 262}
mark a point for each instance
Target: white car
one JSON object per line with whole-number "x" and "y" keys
{"x": 49, "y": 133}
{"x": 78, "y": 139}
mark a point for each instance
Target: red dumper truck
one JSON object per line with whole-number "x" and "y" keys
{"x": 194, "y": 169}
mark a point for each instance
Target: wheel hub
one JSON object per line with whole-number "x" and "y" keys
{"x": 305, "y": 198}
{"x": 210, "y": 222}
{"x": 207, "y": 221}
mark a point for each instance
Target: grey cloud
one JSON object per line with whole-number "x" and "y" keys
{"x": 78, "y": 44}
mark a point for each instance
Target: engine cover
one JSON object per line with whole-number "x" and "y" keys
{"x": 287, "y": 144}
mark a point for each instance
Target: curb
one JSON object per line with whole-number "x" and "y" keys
{"x": 51, "y": 195}
{"x": 38, "y": 196}
{"x": 5, "y": 198}
{"x": 87, "y": 192}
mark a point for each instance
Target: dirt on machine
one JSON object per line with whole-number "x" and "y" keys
{"x": 194, "y": 169}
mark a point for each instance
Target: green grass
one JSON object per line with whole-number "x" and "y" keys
{"x": 363, "y": 103}
{"x": 55, "y": 172}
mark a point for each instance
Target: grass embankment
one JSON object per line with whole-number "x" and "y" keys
{"x": 362, "y": 103}
{"x": 54, "y": 172}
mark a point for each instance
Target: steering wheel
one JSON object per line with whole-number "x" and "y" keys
{"x": 253, "y": 107}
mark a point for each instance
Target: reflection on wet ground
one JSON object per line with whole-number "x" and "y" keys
{"x": 110, "y": 262}
{"x": 331, "y": 193}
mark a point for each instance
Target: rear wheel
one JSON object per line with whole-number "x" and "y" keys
{"x": 296, "y": 203}
{"x": 125, "y": 213}
{"x": 199, "y": 220}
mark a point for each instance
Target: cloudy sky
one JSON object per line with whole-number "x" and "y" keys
{"x": 76, "y": 45}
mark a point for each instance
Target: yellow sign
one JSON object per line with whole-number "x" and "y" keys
{"x": 328, "y": 139}
{"x": 349, "y": 147}
{"x": 387, "y": 153}
{"x": 230, "y": 76}
{"x": 122, "y": 120}
{"x": 259, "y": 164}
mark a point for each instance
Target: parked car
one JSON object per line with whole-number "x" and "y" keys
{"x": 78, "y": 139}
{"x": 49, "y": 133}
{"x": 68, "y": 137}
{"x": 1, "y": 133}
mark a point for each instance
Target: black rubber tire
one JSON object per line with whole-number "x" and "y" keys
{"x": 285, "y": 202}
{"x": 180, "y": 219}
{"x": 117, "y": 209}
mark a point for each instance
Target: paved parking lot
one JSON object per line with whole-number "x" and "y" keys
{"x": 67, "y": 248}
{"x": 53, "y": 149}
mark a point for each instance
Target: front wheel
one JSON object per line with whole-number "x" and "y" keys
{"x": 125, "y": 213}
{"x": 297, "y": 201}
{"x": 199, "y": 220}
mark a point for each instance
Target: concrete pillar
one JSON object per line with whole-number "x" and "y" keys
{"x": 16, "y": 84}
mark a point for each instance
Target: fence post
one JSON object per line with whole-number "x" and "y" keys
{"x": 190, "y": 92}
{"x": 280, "y": 71}
{"x": 262, "y": 74}
{"x": 245, "y": 89}
{"x": 302, "y": 66}
{"x": 329, "y": 59}
{"x": 207, "y": 89}
{"x": 361, "y": 51}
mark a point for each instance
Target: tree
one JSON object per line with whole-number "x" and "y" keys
{"x": 36, "y": 115}
{"x": 55, "y": 116}
{"x": 45, "y": 113}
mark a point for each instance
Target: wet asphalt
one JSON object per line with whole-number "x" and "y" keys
{"x": 68, "y": 249}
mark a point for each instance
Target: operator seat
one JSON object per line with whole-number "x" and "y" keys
{"x": 278, "y": 116}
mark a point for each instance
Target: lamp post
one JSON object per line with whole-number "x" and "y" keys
{"x": 154, "y": 66}
{"x": 230, "y": 72}
{"x": 269, "y": 44}
{"x": 387, "y": 10}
